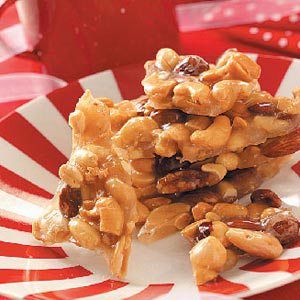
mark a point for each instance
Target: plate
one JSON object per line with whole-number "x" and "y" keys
{"x": 35, "y": 140}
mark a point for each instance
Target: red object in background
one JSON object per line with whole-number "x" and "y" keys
{"x": 83, "y": 37}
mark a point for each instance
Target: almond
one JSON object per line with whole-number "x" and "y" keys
{"x": 263, "y": 108}
{"x": 282, "y": 145}
{"x": 266, "y": 196}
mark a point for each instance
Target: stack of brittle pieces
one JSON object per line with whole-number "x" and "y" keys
{"x": 178, "y": 159}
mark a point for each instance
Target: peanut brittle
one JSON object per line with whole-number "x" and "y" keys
{"x": 178, "y": 159}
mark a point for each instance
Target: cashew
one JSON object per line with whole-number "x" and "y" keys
{"x": 215, "y": 136}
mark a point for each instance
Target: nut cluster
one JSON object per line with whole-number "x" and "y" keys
{"x": 178, "y": 159}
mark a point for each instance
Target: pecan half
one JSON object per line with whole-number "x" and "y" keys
{"x": 186, "y": 180}
{"x": 244, "y": 224}
{"x": 166, "y": 165}
{"x": 266, "y": 196}
{"x": 168, "y": 116}
{"x": 283, "y": 225}
{"x": 282, "y": 145}
{"x": 69, "y": 201}
{"x": 191, "y": 65}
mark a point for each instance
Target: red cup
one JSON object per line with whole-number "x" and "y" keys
{"x": 74, "y": 38}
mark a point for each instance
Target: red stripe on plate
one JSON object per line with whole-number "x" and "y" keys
{"x": 152, "y": 291}
{"x": 223, "y": 286}
{"x": 296, "y": 168}
{"x": 273, "y": 71}
{"x": 4, "y": 298}
{"x": 129, "y": 80}
{"x": 15, "y": 184}
{"x": 27, "y": 251}
{"x": 8, "y": 275}
{"x": 13, "y": 224}
{"x": 286, "y": 265}
{"x": 84, "y": 291}
{"x": 30, "y": 141}
{"x": 65, "y": 99}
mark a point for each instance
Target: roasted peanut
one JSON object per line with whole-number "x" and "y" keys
{"x": 230, "y": 211}
{"x": 166, "y": 59}
{"x": 219, "y": 230}
{"x": 202, "y": 195}
{"x": 153, "y": 203}
{"x": 163, "y": 221}
{"x": 255, "y": 243}
{"x": 231, "y": 260}
{"x": 141, "y": 180}
{"x": 143, "y": 212}
{"x": 211, "y": 216}
{"x": 143, "y": 165}
{"x": 85, "y": 234}
{"x": 269, "y": 212}
{"x": 197, "y": 231}
{"x": 51, "y": 227}
{"x": 229, "y": 160}
{"x": 208, "y": 258}
{"x": 111, "y": 215}
{"x": 255, "y": 210}
{"x": 200, "y": 209}
{"x": 198, "y": 123}
{"x": 227, "y": 191}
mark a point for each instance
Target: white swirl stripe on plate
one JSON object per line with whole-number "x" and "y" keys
{"x": 292, "y": 253}
{"x": 290, "y": 80}
{"x": 22, "y": 289}
{"x": 18, "y": 206}
{"x": 50, "y": 124}
{"x": 102, "y": 84}
{"x": 18, "y": 237}
{"x": 21, "y": 164}
{"x": 16, "y": 263}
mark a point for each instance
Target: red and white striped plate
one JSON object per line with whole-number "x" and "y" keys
{"x": 35, "y": 141}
